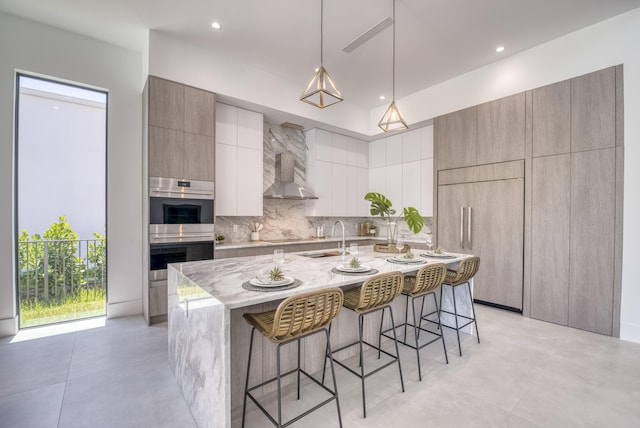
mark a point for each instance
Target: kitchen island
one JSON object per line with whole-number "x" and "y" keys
{"x": 209, "y": 340}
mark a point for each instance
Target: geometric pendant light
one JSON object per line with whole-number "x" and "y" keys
{"x": 321, "y": 91}
{"x": 392, "y": 119}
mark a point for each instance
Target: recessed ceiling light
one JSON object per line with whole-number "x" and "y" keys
{"x": 382, "y": 97}
{"x": 216, "y": 25}
{"x": 499, "y": 48}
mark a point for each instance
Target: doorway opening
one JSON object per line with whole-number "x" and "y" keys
{"x": 61, "y": 245}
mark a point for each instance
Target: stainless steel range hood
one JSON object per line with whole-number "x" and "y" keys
{"x": 284, "y": 187}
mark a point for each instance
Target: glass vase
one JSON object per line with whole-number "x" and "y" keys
{"x": 392, "y": 230}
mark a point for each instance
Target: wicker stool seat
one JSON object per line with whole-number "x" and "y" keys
{"x": 467, "y": 269}
{"x": 295, "y": 318}
{"x": 375, "y": 294}
{"x": 426, "y": 282}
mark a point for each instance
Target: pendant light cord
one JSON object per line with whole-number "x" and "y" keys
{"x": 321, "y": 29}
{"x": 393, "y": 90}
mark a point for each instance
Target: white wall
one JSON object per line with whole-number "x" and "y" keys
{"x": 28, "y": 46}
{"x": 608, "y": 43}
{"x": 206, "y": 70}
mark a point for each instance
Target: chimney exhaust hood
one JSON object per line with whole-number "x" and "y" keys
{"x": 284, "y": 187}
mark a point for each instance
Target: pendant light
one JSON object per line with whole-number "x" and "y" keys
{"x": 321, "y": 91}
{"x": 392, "y": 120}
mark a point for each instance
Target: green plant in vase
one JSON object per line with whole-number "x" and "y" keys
{"x": 382, "y": 206}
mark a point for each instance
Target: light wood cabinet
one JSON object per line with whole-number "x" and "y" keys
{"x": 592, "y": 240}
{"x": 501, "y": 130}
{"x": 593, "y": 110}
{"x": 485, "y": 218}
{"x": 181, "y": 131}
{"x": 455, "y": 139}
{"x": 551, "y": 119}
{"x": 550, "y": 237}
{"x": 239, "y": 161}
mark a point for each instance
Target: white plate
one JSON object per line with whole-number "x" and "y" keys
{"x": 347, "y": 268}
{"x": 287, "y": 280}
{"x": 436, "y": 255}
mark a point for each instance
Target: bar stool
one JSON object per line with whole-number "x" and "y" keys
{"x": 295, "y": 318}
{"x": 467, "y": 269}
{"x": 375, "y": 294}
{"x": 426, "y": 282}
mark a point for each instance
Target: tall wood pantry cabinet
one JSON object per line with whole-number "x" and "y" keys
{"x": 562, "y": 221}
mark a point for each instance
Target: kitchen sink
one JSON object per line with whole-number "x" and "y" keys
{"x": 318, "y": 254}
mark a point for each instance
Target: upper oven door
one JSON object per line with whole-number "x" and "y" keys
{"x": 180, "y": 211}
{"x": 164, "y": 187}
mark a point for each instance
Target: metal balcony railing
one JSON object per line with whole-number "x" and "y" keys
{"x": 53, "y": 269}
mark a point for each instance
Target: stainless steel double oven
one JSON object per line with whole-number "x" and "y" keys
{"x": 181, "y": 224}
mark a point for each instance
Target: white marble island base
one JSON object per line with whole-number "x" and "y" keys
{"x": 209, "y": 340}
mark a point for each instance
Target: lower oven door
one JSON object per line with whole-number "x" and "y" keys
{"x": 161, "y": 254}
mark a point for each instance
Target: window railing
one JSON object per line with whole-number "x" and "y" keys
{"x": 54, "y": 269}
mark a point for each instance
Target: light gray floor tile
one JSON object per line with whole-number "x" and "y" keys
{"x": 36, "y": 408}
{"x": 35, "y": 363}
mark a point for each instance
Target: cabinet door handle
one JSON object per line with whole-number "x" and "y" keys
{"x": 469, "y": 228}
{"x": 461, "y": 227}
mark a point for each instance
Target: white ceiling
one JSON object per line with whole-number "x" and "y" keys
{"x": 436, "y": 39}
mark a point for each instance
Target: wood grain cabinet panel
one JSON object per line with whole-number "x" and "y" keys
{"x": 550, "y": 224}
{"x": 166, "y": 152}
{"x": 455, "y": 139}
{"x": 593, "y": 110}
{"x": 199, "y": 108}
{"x": 166, "y": 104}
{"x": 501, "y": 130}
{"x": 592, "y": 240}
{"x": 199, "y": 160}
{"x": 551, "y": 119}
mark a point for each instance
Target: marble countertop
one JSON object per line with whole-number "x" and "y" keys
{"x": 223, "y": 278}
{"x": 267, "y": 243}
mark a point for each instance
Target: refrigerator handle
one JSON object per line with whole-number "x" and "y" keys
{"x": 461, "y": 227}
{"x": 469, "y": 227}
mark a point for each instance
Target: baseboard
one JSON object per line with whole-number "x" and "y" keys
{"x": 124, "y": 309}
{"x": 9, "y": 326}
{"x": 630, "y": 332}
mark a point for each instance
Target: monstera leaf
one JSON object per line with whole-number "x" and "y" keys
{"x": 380, "y": 205}
{"x": 413, "y": 219}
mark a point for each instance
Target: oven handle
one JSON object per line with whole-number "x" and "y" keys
{"x": 190, "y": 192}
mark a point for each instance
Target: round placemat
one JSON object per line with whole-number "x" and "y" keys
{"x": 248, "y": 286}
{"x": 412, "y": 262}
{"x": 367, "y": 272}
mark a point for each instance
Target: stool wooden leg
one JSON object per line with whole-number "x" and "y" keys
{"x": 395, "y": 340}
{"x": 246, "y": 384}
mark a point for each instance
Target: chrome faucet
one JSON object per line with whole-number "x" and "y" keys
{"x": 333, "y": 231}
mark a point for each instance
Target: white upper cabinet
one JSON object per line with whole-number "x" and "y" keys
{"x": 226, "y": 124}
{"x": 239, "y": 162}
{"x": 250, "y": 129}
{"x": 377, "y": 153}
{"x": 411, "y": 145}
{"x": 337, "y": 172}
{"x": 401, "y": 168}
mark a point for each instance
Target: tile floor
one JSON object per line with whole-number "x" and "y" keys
{"x": 525, "y": 373}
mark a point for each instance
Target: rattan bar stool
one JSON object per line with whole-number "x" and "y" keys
{"x": 467, "y": 269}
{"x": 295, "y": 318}
{"x": 375, "y": 294}
{"x": 426, "y": 282}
